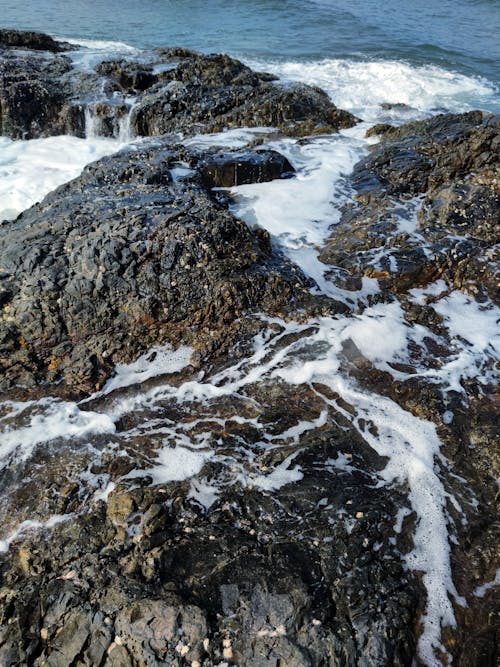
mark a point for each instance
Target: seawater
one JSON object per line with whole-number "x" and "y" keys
{"x": 455, "y": 34}
{"x": 434, "y": 57}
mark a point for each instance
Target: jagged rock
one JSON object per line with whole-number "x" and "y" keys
{"x": 131, "y": 78}
{"x": 32, "y": 95}
{"x": 34, "y": 41}
{"x": 211, "y": 93}
{"x": 450, "y": 163}
{"x": 298, "y": 575}
{"x": 126, "y": 256}
{"x": 179, "y": 91}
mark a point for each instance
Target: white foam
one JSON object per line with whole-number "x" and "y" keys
{"x": 31, "y": 169}
{"x": 203, "y": 493}
{"x": 411, "y": 446}
{"x": 55, "y": 420}
{"x": 177, "y": 463}
{"x": 476, "y": 324}
{"x": 298, "y": 211}
{"x": 100, "y": 45}
{"x": 104, "y": 493}
{"x": 295, "y": 432}
{"x": 29, "y": 525}
{"x": 474, "y": 335}
{"x": 422, "y": 296}
{"x": 281, "y": 475}
{"x": 362, "y": 86}
{"x": 379, "y": 334}
{"x": 93, "y": 51}
{"x": 341, "y": 462}
{"x": 157, "y": 361}
{"x": 481, "y": 591}
{"x": 235, "y": 138}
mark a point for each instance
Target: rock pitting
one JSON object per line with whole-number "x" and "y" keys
{"x": 281, "y": 545}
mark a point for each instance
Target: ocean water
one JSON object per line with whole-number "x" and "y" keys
{"x": 432, "y": 57}
{"x": 455, "y": 34}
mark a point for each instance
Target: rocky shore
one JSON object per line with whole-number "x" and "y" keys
{"x": 288, "y": 543}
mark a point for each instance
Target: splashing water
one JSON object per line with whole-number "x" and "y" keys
{"x": 310, "y": 355}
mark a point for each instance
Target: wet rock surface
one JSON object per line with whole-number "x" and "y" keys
{"x": 305, "y": 574}
{"x": 242, "y": 168}
{"x": 212, "y": 93}
{"x": 450, "y": 166}
{"x": 283, "y": 543}
{"x": 35, "y": 41}
{"x": 134, "y": 252}
{"x": 41, "y": 94}
{"x": 33, "y": 95}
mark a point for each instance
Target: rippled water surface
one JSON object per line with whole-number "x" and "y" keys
{"x": 457, "y": 34}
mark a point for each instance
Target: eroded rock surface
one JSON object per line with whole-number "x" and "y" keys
{"x": 134, "y": 252}
{"x": 450, "y": 166}
{"x": 212, "y": 93}
{"x": 177, "y": 91}
{"x": 303, "y": 574}
{"x": 221, "y": 515}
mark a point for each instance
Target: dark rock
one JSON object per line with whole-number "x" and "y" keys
{"x": 226, "y": 170}
{"x": 34, "y": 41}
{"x": 125, "y": 257}
{"x": 181, "y": 91}
{"x": 33, "y": 99}
{"x": 306, "y": 572}
{"x": 450, "y": 163}
{"x": 131, "y": 78}
{"x": 388, "y": 106}
{"x": 211, "y": 93}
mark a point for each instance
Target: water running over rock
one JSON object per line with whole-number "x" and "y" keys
{"x": 273, "y": 455}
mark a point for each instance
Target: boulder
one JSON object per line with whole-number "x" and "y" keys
{"x": 176, "y": 90}
{"x": 211, "y": 93}
{"x": 229, "y": 169}
{"x": 33, "y": 41}
{"x": 128, "y": 255}
{"x": 449, "y": 165}
{"x": 34, "y": 95}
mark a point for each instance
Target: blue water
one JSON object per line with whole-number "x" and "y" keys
{"x": 458, "y": 35}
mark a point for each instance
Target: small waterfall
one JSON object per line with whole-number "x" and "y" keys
{"x": 125, "y": 132}
{"x": 91, "y": 123}
{"x": 110, "y": 119}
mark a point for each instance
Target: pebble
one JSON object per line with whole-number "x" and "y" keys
{"x": 182, "y": 649}
{"x": 227, "y": 653}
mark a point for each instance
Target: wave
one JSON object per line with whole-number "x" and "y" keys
{"x": 362, "y": 86}
{"x": 31, "y": 169}
{"x": 99, "y": 45}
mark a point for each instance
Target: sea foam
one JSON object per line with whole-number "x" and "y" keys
{"x": 29, "y": 170}
{"x": 362, "y": 86}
